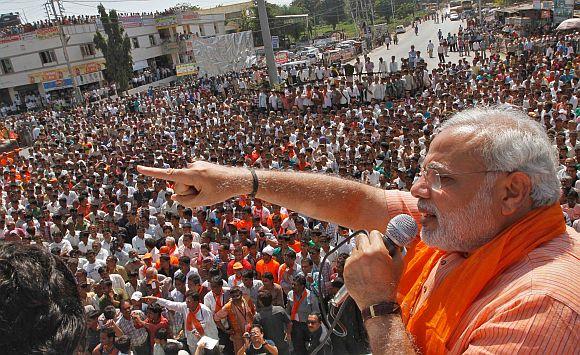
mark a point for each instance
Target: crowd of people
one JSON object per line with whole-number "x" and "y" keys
{"x": 33, "y": 26}
{"x": 157, "y": 278}
{"x": 148, "y": 76}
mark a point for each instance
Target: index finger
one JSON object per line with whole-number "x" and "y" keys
{"x": 361, "y": 241}
{"x": 376, "y": 238}
{"x": 175, "y": 175}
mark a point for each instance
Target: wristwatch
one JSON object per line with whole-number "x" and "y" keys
{"x": 380, "y": 309}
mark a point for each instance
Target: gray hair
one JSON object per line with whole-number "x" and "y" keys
{"x": 512, "y": 141}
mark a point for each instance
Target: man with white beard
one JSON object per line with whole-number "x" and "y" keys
{"x": 493, "y": 270}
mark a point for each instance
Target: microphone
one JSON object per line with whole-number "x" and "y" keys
{"x": 401, "y": 230}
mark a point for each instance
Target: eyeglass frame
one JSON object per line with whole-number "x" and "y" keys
{"x": 423, "y": 171}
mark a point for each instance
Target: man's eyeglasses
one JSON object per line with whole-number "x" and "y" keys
{"x": 433, "y": 177}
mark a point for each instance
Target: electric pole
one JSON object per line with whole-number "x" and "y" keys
{"x": 50, "y": 5}
{"x": 267, "y": 39}
{"x": 480, "y": 15}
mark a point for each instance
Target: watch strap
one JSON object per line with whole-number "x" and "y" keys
{"x": 380, "y": 309}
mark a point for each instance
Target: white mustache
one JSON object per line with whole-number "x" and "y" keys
{"x": 426, "y": 207}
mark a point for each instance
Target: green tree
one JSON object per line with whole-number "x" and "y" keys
{"x": 116, "y": 48}
{"x": 333, "y": 12}
{"x": 291, "y": 27}
{"x": 314, "y": 8}
{"x": 383, "y": 8}
{"x": 185, "y": 6}
{"x": 247, "y": 20}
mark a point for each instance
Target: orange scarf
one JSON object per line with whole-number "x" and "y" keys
{"x": 433, "y": 324}
{"x": 218, "y": 301}
{"x": 237, "y": 280}
{"x": 193, "y": 322}
{"x": 296, "y": 304}
{"x": 282, "y": 271}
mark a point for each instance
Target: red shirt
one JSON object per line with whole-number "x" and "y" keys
{"x": 152, "y": 328}
{"x": 245, "y": 263}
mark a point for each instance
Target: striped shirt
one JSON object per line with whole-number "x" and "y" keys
{"x": 532, "y": 307}
{"x": 138, "y": 336}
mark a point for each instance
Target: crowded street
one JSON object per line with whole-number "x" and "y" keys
{"x": 184, "y": 258}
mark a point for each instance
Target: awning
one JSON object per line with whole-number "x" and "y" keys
{"x": 569, "y": 24}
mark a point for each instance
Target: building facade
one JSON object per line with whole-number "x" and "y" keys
{"x": 33, "y": 62}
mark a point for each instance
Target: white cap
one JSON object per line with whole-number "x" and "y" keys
{"x": 136, "y": 296}
{"x": 268, "y": 250}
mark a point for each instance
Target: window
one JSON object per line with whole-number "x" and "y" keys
{"x": 135, "y": 42}
{"x": 47, "y": 57}
{"x": 6, "y": 65}
{"x": 87, "y": 49}
{"x": 152, "y": 40}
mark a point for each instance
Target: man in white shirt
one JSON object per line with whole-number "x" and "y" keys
{"x": 194, "y": 328}
{"x": 138, "y": 241}
{"x": 189, "y": 248}
{"x": 378, "y": 89}
{"x": 351, "y": 92}
{"x": 92, "y": 266}
{"x": 393, "y": 65}
{"x": 64, "y": 245}
{"x": 250, "y": 286}
{"x": 383, "y": 67}
{"x": 100, "y": 252}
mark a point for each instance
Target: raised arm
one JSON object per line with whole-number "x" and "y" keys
{"x": 323, "y": 197}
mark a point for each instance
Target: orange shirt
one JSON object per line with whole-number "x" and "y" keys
{"x": 173, "y": 260}
{"x": 533, "y": 305}
{"x": 243, "y": 224}
{"x": 296, "y": 246}
{"x": 283, "y": 216}
{"x": 272, "y": 266}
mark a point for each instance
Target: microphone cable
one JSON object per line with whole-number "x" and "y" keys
{"x": 321, "y": 293}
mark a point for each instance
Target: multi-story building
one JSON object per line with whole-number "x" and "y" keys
{"x": 33, "y": 61}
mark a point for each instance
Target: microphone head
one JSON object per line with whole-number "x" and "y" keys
{"x": 402, "y": 229}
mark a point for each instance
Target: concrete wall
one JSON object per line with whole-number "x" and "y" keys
{"x": 25, "y": 59}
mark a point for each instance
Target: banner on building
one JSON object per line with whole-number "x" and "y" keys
{"x": 165, "y": 21}
{"x": 148, "y": 20}
{"x": 10, "y": 38}
{"x": 48, "y": 32}
{"x": 140, "y": 64}
{"x": 131, "y": 21}
{"x": 89, "y": 78}
{"x": 188, "y": 16}
{"x": 61, "y": 73}
{"x": 57, "y": 84}
{"x": 186, "y": 69}
{"x": 222, "y": 54}
{"x": 29, "y": 36}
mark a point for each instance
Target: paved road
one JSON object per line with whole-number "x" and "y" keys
{"x": 427, "y": 31}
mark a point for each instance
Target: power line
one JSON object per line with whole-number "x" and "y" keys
{"x": 80, "y": 4}
{"x": 108, "y": 1}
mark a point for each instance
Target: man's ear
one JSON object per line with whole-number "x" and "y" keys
{"x": 515, "y": 189}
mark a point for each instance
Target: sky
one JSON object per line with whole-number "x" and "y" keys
{"x": 33, "y": 10}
